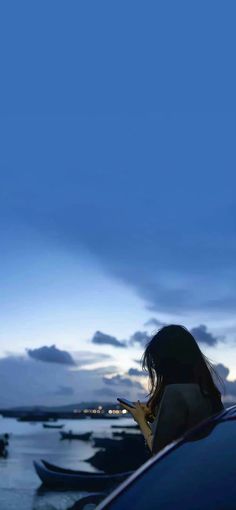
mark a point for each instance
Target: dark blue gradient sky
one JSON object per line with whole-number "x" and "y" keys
{"x": 117, "y": 196}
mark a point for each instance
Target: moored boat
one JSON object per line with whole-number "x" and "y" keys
{"x": 125, "y": 426}
{"x": 70, "y": 435}
{"x": 54, "y": 476}
{"x": 50, "y": 426}
{"x": 123, "y": 433}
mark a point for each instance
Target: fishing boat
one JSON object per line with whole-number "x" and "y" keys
{"x": 50, "y": 426}
{"x": 54, "y": 476}
{"x": 125, "y": 426}
{"x": 123, "y": 433}
{"x": 70, "y": 435}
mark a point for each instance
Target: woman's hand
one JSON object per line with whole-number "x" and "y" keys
{"x": 138, "y": 412}
{"x": 145, "y": 408}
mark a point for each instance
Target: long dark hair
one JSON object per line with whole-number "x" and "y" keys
{"x": 173, "y": 356}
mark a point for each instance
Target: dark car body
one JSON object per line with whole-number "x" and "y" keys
{"x": 196, "y": 472}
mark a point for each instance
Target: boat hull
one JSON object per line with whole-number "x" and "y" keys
{"x": 47, "y": 426}
{"x": 83, "y": 437}
{"x": 54, "y": 476}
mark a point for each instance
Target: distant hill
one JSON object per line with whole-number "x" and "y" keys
{"x": 70, "y": 407}
{"x": 81, "y": 405}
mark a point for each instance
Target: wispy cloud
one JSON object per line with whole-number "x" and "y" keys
{"x": 118, "y": 380}
{"x": 154, "y": 322}
{"x": 102, "y": 338}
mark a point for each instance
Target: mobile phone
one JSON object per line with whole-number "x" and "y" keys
{"x": 127, "y": 402}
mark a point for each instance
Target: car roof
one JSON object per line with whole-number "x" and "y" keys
{"x": 225, "y": 415}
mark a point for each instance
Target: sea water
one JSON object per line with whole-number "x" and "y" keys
{"x": 20, "y": 487}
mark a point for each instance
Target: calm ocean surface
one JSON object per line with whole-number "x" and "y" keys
{"x": 19, "y": 483}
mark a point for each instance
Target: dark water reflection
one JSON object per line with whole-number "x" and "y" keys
{"x": 20, "y": 487}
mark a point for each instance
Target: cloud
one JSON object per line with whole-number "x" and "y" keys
{"x": 131, "y": 392}
{"x": 229, "y": 389}
{"x": 154, "y": 322}
{"x": 201, "y": 334}
{"x": 87, "y": 357}
{"x": 222, "y": 370}
{"x": 140, "y": 337}
{"x": 59, "y": 385}
{"x": 37, "y": 384}
{"x": 108, "y": 369}
{"x": 136, "y": 372}
{"x": 118, "y": 380}
{"x": 102, "y": 338}
{"x": 120, "y": 385}
{"x": 51, "y": 355}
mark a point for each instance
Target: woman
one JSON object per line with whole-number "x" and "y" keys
{"x": 183, "y": 392}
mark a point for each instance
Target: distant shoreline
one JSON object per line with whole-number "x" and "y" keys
{"x": 83, "y": 410}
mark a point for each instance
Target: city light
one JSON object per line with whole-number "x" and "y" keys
{"x": 101, "y": 410}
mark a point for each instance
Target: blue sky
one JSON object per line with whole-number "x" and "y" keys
{"x": 117, "y": 196}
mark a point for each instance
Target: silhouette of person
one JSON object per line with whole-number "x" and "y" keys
{"x": 182, "y": 389}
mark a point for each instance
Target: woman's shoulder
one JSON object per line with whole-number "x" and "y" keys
{"x": 172, "y": 404}
{"x": 177, "y": 395}
{"x": 179, "y": 390}
{"x": 173, "y": 392}
{"x": 191, "y": 393}
{"x": 170, "y": 388}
